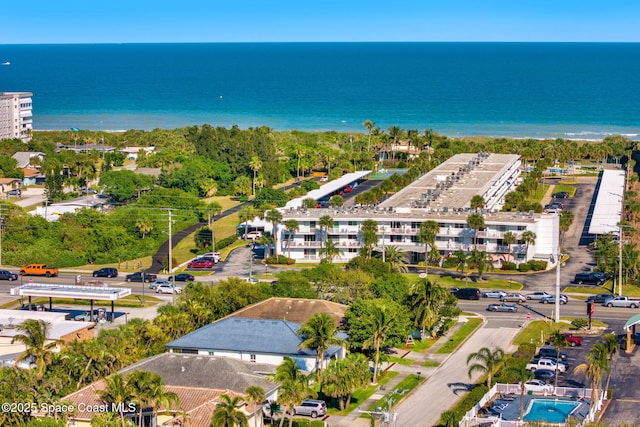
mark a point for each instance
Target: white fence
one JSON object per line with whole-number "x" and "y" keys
{"x": 471, "y": 417}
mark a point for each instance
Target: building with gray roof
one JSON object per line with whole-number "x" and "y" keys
{"x": 255, "y": 340}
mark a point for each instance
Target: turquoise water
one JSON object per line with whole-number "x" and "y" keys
{"x": 569, "y": 90}
{"x": 550, "y": 410}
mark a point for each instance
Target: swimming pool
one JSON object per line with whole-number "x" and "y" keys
{"x": 550, "y": 410}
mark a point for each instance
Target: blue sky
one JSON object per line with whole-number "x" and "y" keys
{"x": 131, "y": 21}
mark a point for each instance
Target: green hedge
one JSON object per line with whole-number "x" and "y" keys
{"x": 223, "y": 243}
{"x": 280, "y": 260}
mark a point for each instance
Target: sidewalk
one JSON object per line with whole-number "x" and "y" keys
{"x": 353, "y": 419}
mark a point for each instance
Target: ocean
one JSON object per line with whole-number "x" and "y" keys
{"x": 536, "y": 90}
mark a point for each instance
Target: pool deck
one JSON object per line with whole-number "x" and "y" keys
{"x": 509, "y": 410}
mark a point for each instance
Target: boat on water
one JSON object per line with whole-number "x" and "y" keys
{"x": 6, "y": 63}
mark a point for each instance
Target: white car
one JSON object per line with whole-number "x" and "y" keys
{"x": 493, "y": 294}
{"x": 157, "y": 283}
{"x": 538, "y": 295}
{"x": 167, "y": 289}
{"x": 538, "y": 386}
{"x": 253, "y": 235}
{"x": 324, "y": 179}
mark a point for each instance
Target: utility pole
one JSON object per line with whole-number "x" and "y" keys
{"x": 620, "y": 259}
{"x": 559, "y": 261}
{"x": 173, "y": 278}
{"x": 1, "y": 230}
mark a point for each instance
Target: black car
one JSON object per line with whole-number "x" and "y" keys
{"x": 183, "y": 277}
{"x": 560, "y": 195}
{"x": 467, "y": 293}
{"x": 592, "y": 278}
{"x": 106, "y": 272}
{"x": 544, "y": 374}
{"x": 7, "y": 275}
{"x": 546, "y": 352}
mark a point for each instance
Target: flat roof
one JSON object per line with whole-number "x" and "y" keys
{"x": 607, "y": 211}
{"x": 328, "y": 188}
{"x": 469, "y": 173}
{"x": 71, "y": 291}
{"x": 58, "y": 325}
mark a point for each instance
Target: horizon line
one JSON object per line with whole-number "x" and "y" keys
{"x": 323, "y": 42}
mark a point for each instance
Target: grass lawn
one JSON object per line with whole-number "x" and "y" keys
{"x": 125, "y": 266}
{"x": 431, "y": 364}
{"x": 537, "y": 331}
{"x": 421, "y": 345}
{"x": 568, "y": 188}
{"x": 460, "y": 335}
{"x": 628, "y": 290}
{"x": 226, "y": 202}
{"x": 359, "y": 396}
{"x": 539, "y": 194}
{"x": 402, "y": 389}
{"x": 400, "y": 360}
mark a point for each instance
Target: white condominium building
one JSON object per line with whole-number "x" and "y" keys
{"x": 16, "y": 118}
{"x": 442, "y": 195}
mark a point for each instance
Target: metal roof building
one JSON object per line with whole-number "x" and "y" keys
{"x": 607, "y": 211}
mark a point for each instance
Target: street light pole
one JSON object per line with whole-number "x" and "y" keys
{"x": 620, "y": 260}
{"x": 558, "y": 260}
{"x": 173, "y": 279}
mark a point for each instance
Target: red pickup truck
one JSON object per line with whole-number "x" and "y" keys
{"x": 573, "y": 340}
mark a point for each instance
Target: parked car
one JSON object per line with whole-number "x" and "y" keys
{"x": 544, "y": 375}
{"x": 324, "y": 178}
{"x": 183, "y": 277}
{"x": 515, "y": 297}
{"x": 200, "y": 263}
{"x": 538, "y": 386}
{"x": 7, "y": 275}
{"x": 155, "y": 284}
{"x": 311, "y": 407}
{"x": 592, "y": 278}
{"x": 88, "y": 316}
{"x": 164, "y": 288}
{"x": 538, "y": 295}
{"x": 551, "y": 299}
{"x": 14, "y": 192}
{"x": 253, "y": 235}
{"x": 106, "y": 272}
{"x": 493, "y": 294}
{"x": 560, "y": 195}
{"x": 573, "y": 340}
{"x": 510, "y": 308}
{"x": 468, "y": 293}
{"x": 600, "y": 298}
{"x": 551, "y": 352}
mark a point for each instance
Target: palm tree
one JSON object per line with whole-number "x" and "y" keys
{"x": 396, "y": 259}
{"x": 274, "y": 217}
{"x": 325, "y": 223}
{"x": 612, "y": 347}
{"x": 488, "y": 362}
{"x": 256, "y": 395}
{"x": 559, "y": 342}
{"x": 141, "y": 383}
{"x": 476, "y": 222}
{"x": 522, "y": 375}
{"x": 461, "y": 260}
{"x": 380, "y": 320}
{"x": 566, "y": 219}
{"x": 144, "y": 226}
{"x": 292, "y": 226}
{"x": 213, "y": 209}
{"x": 369, "y": 125}
{"x": 596, "y": 364}
{"x": 427, "y": 296}
{"x": 344, "y": 376}
{"x": 528, "y": 238}
{"x": 246, "y": 214}
{"x": 118, "y": 393}
{"x": 427, "y": 235}
{"x": 255, "y": 164}
{"x": 227, "y": 413}
{"x": 319, "y": 333}
{"x": 482, "y": 260}
{"x": 477, "y": 202}
{"x": 369, "y": 230}
{"x": 294, "y": 385}
{"x": 34, "y": 338}
{"x": 330, "y": 251}
{"x": 509, "y": 238}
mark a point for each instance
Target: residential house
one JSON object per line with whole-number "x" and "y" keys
{"x": 297, "y": 310}
{"x": 133, "y": 152}
{"x": 198, "y": 381}
{"x": 24, "y": 159}
{"x": 8, "y": 184}
{"x": 253, "y": 340}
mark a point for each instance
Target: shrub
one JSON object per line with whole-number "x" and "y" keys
{"x": 579, "y": 323}
{"x": 538, "y": 265}
{"x": 524, "y": 267}
{"x": 449, "y": 263}
{"x": 279, "y": 260}
{"x": 223, "y": 243}
{"x": 509, "y": 266}
{"x": 309, "y": 185}
{"x": 525, "y": 350}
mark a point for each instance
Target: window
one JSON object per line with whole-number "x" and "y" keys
{"x": 212, "y": 353}
{"x": 396, "y": 238}
{"x": 415, "y": 225}
{"x": 252, "y": 358}
{"x": 309, "y": 253}
{"x": 312, "y": 224}
{"x": 309, "y": 238}
{"x": 188, "y": 351}
{"x": 352, "y": 237}
{"x": 521, "y": 228}
{"x": 353, "y": 250}
{"x": 353, "y": 223}
{"x": 414, "y": 239}
{"x": 396, "y": 224}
